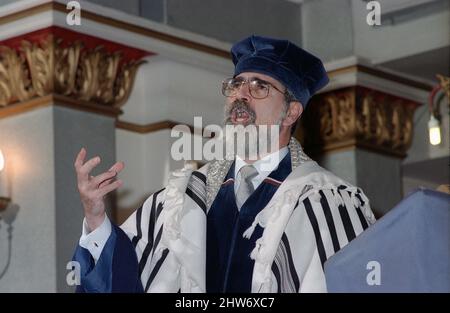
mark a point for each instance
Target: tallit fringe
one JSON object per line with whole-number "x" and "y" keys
{"x": 173, "y": 205}
{"x": 271, "y": 213}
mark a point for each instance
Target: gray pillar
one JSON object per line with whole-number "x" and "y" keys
{"x": 72, "y": 130}
{"x": 40, "y": 146}
{"x": 27, "y": 249}
{"x": 236, "y": 19}
{"x": 330, "y": 19}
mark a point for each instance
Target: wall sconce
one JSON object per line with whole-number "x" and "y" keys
{"x": 434, "y": 130}
{"x": 4, "y": 187}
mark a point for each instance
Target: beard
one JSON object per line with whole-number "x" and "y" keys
{"x": 244, "y": 137}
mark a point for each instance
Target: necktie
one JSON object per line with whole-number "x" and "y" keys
{"x": 245, "y": 189}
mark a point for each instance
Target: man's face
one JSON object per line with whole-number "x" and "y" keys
{"x": 244, "y": 109}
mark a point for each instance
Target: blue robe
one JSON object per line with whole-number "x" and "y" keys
{"x": 228, "y": 264}
{"x": 116, "y": 269}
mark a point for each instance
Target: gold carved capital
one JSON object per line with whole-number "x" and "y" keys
{"x": 445, "y": 84}
{"x": 358, "y": 117}
{"x": 53, "y": 66}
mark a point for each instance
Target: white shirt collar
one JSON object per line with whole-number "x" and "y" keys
{"x": 265, "y": 165}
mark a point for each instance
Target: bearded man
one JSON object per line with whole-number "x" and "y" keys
{"x": 265, "y": 223}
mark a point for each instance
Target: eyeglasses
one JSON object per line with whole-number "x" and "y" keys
{"x": 259, "y": 89}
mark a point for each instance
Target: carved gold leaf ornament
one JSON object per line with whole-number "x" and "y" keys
{"x": 66, "y": 64}
{"x": 41, "y": 64}
{"x": 364, "y": 123}
{"x": 336, "y": 117}
{"x": 88, "y": 74}
{"x": 14, "y": 82}
{"x": 48, "y": 67}
{"x": 359, "y": 117}
{"x": 108, "y": 74}
{"x": 125, "y": 81}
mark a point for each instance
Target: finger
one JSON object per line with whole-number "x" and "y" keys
{"x": 117, "y": 167}
{"x": 80, "y": 158}
{"x": 98, "y": 180}
{"x": 114, "y": 185}
{"x": 106, "y": 182}
{"x": 84, "y": 170}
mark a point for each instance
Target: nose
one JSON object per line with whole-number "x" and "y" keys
{"x": 243, "y": 93}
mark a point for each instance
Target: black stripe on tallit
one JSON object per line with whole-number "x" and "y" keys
{"x": 315, "y": 226}
{"x": 290, "y": 260}
{"x": 138, "y": 236}
{"x": 276, "y": 273}
{"x": 347, "y": 222}
{"x": 196, "y": 199}
{"x": 158, "y": 237}
{"x": 200, "y": 176}
{"x": 362, "y": 218}
{"x": 151, "y": 228}
{"x": 153, "y": 216}
{"x": 330, "y": 221}
{"x": 159, "y": 209}
{"x": 149, "y": 248}
{"x": 359, "y": 197}
{"x": 156, "y": 269}
{"x": 154, "y": 213}
{"x": 296, "y": 205}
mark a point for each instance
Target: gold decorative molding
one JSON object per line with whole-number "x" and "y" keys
{"x": 57, "y": 100}
{"x": 51, "y": 67}
{"x": 358, "y": 117}
{"x": 30, "y": 11}
{"x": 147, "y": 128}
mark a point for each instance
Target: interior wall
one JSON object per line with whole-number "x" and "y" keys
{"x": 28, "y": 248}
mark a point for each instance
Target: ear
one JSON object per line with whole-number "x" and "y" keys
{"x": 293, "y": 113}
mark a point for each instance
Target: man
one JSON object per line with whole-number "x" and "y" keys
{"x": 233, "y": 225}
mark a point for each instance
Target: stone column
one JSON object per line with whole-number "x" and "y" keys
{"x": 59, "y": 91}
{"x": 362, "y": 134}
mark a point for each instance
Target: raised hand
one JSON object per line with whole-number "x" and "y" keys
{"x": 93, "y": 189}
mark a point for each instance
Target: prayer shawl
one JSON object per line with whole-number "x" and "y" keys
{"x": 312, "y": 215}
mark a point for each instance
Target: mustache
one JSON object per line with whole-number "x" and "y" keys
{"x": 237, "y": 106}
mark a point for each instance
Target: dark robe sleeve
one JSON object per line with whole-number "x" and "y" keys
{"x": 116, "y": 269}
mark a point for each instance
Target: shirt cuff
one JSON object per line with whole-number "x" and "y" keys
{"x": 95, "y": 241}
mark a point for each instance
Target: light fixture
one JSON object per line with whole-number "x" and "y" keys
{"x": 434, "y": 127}
{"x": 434, "y": 131}
{"x": 4, "y": 199}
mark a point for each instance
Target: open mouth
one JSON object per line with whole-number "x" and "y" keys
{"x": 240, "y": 113}
{"x": 240, "y": 116}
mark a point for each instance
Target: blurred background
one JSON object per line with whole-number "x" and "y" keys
{"x": 115, "y": 76}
